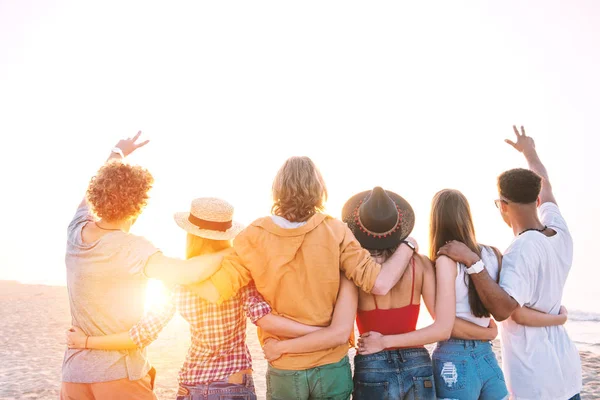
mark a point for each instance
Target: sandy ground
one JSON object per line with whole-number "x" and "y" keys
{"x": 34, "y": 319}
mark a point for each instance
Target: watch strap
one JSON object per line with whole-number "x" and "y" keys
{"x": 476, "y": 268}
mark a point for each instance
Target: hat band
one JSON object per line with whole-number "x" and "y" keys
{"x": 377, "y": 235}
{"x": 210, "y": 225}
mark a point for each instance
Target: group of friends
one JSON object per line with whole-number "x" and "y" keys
{"x": 304, "y": 279}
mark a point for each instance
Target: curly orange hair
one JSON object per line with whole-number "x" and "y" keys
{"x": 119, "y": 191}
{"x": 298, "y": 190}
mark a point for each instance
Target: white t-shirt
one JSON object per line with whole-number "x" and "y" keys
{"x": 463, "y": 309}
{"x": 284, "y": 223}
{"x": 539, "y": 363}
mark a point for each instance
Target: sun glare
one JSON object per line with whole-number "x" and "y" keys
{"x": 156, "y": 295}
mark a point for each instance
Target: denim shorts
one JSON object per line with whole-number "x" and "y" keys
{"x": 394, "y": 374}
{"x": 220, "y": 390}
{"x": 467, "y": 370}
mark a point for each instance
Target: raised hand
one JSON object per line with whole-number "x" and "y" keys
{"x": 524, "y": 143}
{"x": 129, "y": 145}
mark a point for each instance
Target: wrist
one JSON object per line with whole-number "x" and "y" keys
{"x": 385, "y": 342}
{"x": 116, "y": 153}
{"x": 280, "y": 347}
{"x": 472, "y": 259}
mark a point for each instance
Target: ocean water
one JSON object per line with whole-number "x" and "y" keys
{"x": 584, "y": 330}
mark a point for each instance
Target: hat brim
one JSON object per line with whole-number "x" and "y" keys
{"x": 181, "y": 219}
{"x": 373, "y": 242}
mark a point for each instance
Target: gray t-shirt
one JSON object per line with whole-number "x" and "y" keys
{"x": 107, "y": 289}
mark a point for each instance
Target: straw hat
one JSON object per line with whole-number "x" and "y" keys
{"x": 379, "y": 219}
{"x": 209, "y": 218}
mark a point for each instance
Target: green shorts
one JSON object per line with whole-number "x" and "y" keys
{"x": 330, "y": 381}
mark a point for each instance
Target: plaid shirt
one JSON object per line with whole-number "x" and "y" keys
{"x": 218, "y": 331}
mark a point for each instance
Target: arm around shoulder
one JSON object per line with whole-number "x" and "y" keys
{"x": 175, "y": 271}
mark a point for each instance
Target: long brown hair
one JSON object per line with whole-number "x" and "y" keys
{"x": 451, "y": 220}
{"x": 197, "y": 246}
{"x": 298, "y": 190}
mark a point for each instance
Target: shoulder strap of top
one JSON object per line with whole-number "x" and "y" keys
{"x": 375, "y": 300}
{"x": 412, "y": 292}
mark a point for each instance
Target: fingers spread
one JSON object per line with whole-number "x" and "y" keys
{"x": 137, "y": 135}
{"x": 142, "y": 144}
{"x": 513, "y": 144}
{"x": 523, "y": 130}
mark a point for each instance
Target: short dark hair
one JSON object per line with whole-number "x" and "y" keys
{"x": 520, "y": 185}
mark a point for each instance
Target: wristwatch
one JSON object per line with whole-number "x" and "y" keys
{"x": 409, "y": 244}
{"x": 118, "y": 151}
{"x": 476, "y": 268}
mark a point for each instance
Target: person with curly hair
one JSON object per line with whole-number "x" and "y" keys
{"x": 295, "y": 257}
{"x": 107, "y": 274}
{"x": 539, "y": 362}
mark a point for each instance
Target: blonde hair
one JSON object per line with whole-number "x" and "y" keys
{"x": 299, "y": 191}
{"x": 197, "y": 246}
{"x": 119, "y": 191}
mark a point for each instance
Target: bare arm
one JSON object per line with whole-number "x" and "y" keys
{"x": 283, "y": 327}
{"x": 445, "y": 311}
{"x": 139, "y": 336}
{"x": 468, "y": 331}
{"x": 428, "y": 291}
{"x": 499, "y": 303}
{"x": 76, "y": 339}
{"x": 336, "y": 334}
{"x": 174, "y": 271}
{"x": 530, "y": 317}
{"x": 526, "y": 145}
{"x": 392, "y": 270}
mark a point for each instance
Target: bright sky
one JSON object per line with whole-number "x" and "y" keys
{"x": 412, "y": 97}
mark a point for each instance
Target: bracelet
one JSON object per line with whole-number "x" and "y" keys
{"x": 86, "y": 340}
{"x": 118, "y": 151}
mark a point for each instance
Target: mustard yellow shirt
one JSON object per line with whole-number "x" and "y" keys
{"x": 297, "y": 271}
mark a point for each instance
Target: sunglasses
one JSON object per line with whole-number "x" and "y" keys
{"x": 499, "y": 201}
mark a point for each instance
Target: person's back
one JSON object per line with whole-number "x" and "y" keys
{"x": 401, "y": 305}
{"x": 543, "y": 263}
{"x": 105, "y": 277}
{"x": 107, "y": 293}
{"x": 298, "y": 273}
{"x": 463, "y": 308}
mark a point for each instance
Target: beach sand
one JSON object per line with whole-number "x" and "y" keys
{"x": 34, "y": 319}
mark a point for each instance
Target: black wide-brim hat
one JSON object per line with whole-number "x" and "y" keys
{"x": 379, "y": 219}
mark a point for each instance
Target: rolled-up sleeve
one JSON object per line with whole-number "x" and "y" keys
{"x": 357, "y": 263}
{"x": 146, "y": 331}
{"x": 255, "y": 306}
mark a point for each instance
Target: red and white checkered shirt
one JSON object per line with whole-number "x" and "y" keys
{"x": 218, "y": 331}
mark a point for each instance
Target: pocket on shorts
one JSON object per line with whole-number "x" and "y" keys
{"x": 335, "y": 382}
{"x": 282, "y": 384}
{"x": 371, "y": 390}
{"x": 493, "y": 363}
{"x": 424, "y": 387}
{"x": 450, "y": 373}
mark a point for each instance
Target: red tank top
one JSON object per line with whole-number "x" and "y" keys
{"x": 392, "y": 321}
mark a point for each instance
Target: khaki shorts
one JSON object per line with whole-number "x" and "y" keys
{"x": 122, "y": 389}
